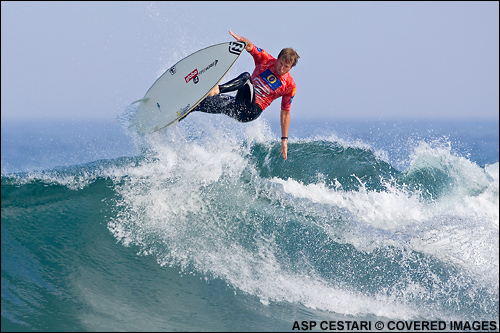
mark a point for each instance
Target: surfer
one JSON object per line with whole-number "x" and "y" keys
{"x": 270, "y": 80}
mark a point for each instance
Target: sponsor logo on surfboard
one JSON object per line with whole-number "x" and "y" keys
{"x": 183, "y": 110}
{"x": 236, "y": 47}
{"x": 213, "y": 64}
{"x": 194, "y": 75}
{"x": 191, "y": 75}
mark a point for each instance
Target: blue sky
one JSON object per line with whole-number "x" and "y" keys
{"x": 359, "y": 60}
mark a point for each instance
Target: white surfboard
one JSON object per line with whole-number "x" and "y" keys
{"x": 183, "y": 86}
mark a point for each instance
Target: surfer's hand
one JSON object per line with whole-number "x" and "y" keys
{"x": 284, "y": 147}
{"x": 242, "y": 39}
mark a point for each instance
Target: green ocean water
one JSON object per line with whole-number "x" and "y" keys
{"x": 208, "y": 228}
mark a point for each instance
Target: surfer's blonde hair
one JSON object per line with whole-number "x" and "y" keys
{"x": 289, "y": 56}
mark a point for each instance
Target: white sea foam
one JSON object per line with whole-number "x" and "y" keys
{"x": 459, "y": 227}
{"x": 187, "y": 205}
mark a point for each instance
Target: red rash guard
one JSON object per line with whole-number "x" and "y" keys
{"x": 269, "y": 86}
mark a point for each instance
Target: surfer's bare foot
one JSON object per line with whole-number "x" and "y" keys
{"x": 214, "y": 91}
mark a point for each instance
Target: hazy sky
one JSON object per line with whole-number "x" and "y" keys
{"x": 359, "y": 60}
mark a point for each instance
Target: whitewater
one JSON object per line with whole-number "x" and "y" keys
{"x": 204, "y": 226}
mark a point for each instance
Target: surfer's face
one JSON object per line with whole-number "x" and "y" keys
{"x": 281, "y": 67}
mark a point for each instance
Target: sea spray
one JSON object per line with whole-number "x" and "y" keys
{"x": 213, "y": 208}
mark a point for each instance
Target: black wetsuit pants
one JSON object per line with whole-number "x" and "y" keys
{"x": 242, "y": 107}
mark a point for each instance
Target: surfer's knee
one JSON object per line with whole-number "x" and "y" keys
{"x": 214, "y": 91}
{"x": 246, "y": 76}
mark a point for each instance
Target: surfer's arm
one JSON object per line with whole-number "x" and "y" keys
{"x": 285, "y": 123}
{"x": 242, "y": 39}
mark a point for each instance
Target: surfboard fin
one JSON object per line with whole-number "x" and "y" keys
{"x": 140, "y": 100}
